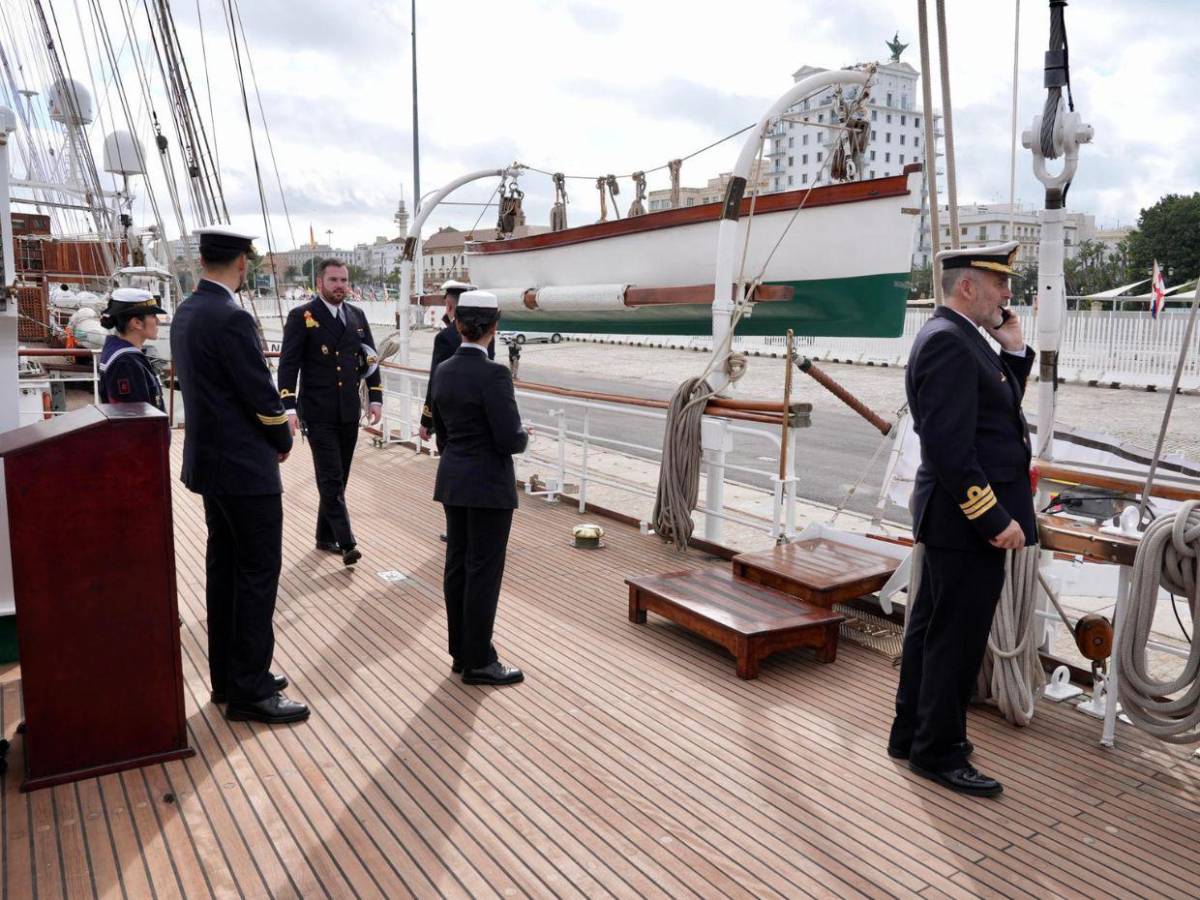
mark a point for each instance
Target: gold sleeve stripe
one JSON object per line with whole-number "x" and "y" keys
{"x": 977, "y": 497}
{"x": 971, "y": 516}
{"x": 272, "y": 420}
{"x": 378, "y": 388}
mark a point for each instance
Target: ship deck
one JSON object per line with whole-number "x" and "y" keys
{"x": 632, "y": 762}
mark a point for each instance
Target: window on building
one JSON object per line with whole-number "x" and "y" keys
{"x": 887, "y": 138}
{"x": 916, "y": 142}
{"x": 904, "y": 120}
{"x": 874, "y": 115}
{"x": 818, "y": 156}
{"x": 872, "y": 173}
{"x": 804, "y": 178}
{"x": 691, "y": 201}
{"x": 889, "y": 118}
{"x": 1003, "y": 232}
{"x": 804, "y": 140}
{"x": 917, "y": 121}
{"x": 902, "y": 139}
{"x": 820, "y": 137}
{"x": 804, "y": 159}
{"x": 789, "y": 181}
{"x": 964, "y": 231}
{"x": 872, "y": 134}
{"x": 791, "y": 161}
{"x": 889, "y": 103}
{"x": 791, "y": 142}
{"x": 887, "y": 157}
{"x": 901, "y": 159}
{"x": 820, "y": 117}
{"x": 872, "y": 156}
{"x": 983, "y": 232}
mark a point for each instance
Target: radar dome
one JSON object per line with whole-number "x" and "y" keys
{"x": 123, "y": 154}
{"x": 71, "y": 103}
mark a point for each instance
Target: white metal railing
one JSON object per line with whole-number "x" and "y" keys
{"x": 404, "y": 389}
{"x": 1107, "y": 347}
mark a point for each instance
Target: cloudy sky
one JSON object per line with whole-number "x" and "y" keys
{"x": 591, "y": 87}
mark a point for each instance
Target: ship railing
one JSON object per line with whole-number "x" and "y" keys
{"x": 566, "y": 439}
{"x": 43, "y": 383}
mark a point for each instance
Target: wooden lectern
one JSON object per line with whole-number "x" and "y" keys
{"x": 87, "y": 501}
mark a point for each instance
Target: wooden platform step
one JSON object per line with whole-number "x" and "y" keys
{"x": 819, "y": 571}
{"x": 748, "y": 619}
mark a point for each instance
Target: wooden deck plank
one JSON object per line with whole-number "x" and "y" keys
{"x": 631, "y": 763}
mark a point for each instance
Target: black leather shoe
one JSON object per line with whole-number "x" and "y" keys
{"x": 351, "y": 555}
{"x": 899, "y": 753}
{"x": 496, "y": 673}
{"x": 966, "y": 780}
{"x": 281, "y": 683}
{"x": 456, "y": 667}
{"x": 275, "y": 710}
{"x": 329, "y": 546}
{"x": 442, "y": 537}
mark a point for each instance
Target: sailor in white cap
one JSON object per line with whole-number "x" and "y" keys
{"x": 235, "y": 436}
{"x": 972, "y": 501}
{"x": 126, "y": 374}
{"x": 444, "y": 344}
{"x": 478, "y": 429}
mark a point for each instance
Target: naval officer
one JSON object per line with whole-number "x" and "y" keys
{"x": 235, "y": 436}
{"x": 328, "y": 349}
{"x": 445, "y": 342}
{"x": 126, "y": 374}
{"x": 971, "y": 502}
{"x": 478, "y": 429}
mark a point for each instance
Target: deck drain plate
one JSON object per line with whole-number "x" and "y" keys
{"x": 875, "y": 633}
{"x": 393, "y": 576}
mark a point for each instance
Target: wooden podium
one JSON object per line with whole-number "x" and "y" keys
{"x": 87, "y": 502}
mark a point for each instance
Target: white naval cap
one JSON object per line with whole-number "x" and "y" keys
{"x": 224, "y": 237}
{"x": 478, "y": 300}
{"x": 130, "y": 299}
{"x": 452, "y": 285}
{"x": 997, "y": 258}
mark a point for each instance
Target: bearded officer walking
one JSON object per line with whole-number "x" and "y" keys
{"x": 971, "y": 502}
{"x": 235, "y": 436}
{"x": 328, "y": 349}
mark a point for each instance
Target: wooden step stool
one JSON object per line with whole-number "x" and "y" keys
{"x": 819, "y": 571}
{"x": 749, "y": 620}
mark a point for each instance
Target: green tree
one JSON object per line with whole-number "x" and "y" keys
{"x": 358, "y": 275}
{"x": 920, "y": 286}
{"x": 291, "y": 273}
{"x": 1168, "y": 231}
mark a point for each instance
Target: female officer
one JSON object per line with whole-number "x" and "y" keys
{"x": 478, "y": 429}
{"x": 126, "y": 375}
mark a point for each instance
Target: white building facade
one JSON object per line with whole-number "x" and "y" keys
{"x": 994, "y": 223}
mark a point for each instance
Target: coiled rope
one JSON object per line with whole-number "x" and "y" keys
{"x": 1012, "y": 673}
{"x": 1168, "y": 557}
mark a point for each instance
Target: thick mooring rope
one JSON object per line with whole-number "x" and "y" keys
{"x": 1168, "y": 557}
{"x": 1012, "y": 673}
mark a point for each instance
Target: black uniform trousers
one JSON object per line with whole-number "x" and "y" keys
{"x": 476, "y": 545}
{"x": 244, "y": 554}
{"x": 944, "y": 642}
{"x": 332, "y": 446}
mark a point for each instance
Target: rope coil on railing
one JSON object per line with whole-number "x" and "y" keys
{"x": 1012, "y": 673}
{"x": 1168, "y": 557}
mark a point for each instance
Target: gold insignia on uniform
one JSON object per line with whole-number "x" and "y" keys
{"x": 309, "y": 321}
{"x": 280, "y": 419}
{"x": 285, "y": 393}
{"x": 426, "y": 411}
{"x": 325, "y": 349}
{"x": 979, "y": 501}
{"x": 380, "y": 389}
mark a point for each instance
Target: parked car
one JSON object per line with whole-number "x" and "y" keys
{"x": 530, "y": 337}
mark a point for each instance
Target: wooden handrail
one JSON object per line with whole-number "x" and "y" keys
{"x": 54, "y": 351}
{"x": 1130, "y": 484}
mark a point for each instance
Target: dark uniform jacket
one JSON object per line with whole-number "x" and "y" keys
{"x": 965, "y": 400}
{"x": 126, "y": 375}
{"x": 445, "y": 342}
{"x": 235, "y": 426}
{"x": 478, "y": 430}
{"x": 328, "y": 358}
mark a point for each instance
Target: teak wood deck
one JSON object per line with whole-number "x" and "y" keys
{"x": 632, "y": 762}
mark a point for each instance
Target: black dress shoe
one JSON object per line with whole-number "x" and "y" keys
{"x": 275, "y": 710}
{"x": 496, "y": 673}
{"x": 442, "y": 537}
{"x": 351, "y": 555}
{"x": 329, "y": 546}
{"x": 281, "y": 683}
{"x": 966, "y": 780}
{"x": 902, "y": 753}
{"x": 456, "y": 667}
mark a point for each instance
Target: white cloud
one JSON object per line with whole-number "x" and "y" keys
{"x": 617, "y": 85}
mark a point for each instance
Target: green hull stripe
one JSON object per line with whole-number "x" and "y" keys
{"x": 865, "y": 306}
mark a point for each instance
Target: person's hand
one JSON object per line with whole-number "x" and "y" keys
{"x": 1009, "y": 334}
{"x": 1011, "y": 538}
{"x": 529, "y": 430}
{"x": 293, "y": 423}
{"x": 283, "y": 456}
{"x": 375, "y": 414}
{"x": 424, "y": 433}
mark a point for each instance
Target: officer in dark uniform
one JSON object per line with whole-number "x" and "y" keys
{"x": 328, "y": 347}
{"x": 126, "y": 375}
{"x": 478, "y": 429}
{"x": 235, "y": 436}
{"x": 445, "y": 342}
{"x": 971, "y": 502}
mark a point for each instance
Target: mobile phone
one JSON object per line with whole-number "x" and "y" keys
{"x": 1002, "y": 315}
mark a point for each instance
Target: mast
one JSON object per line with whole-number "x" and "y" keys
{"x": 416, "y": 121}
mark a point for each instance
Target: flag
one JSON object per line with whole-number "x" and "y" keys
{"x": 312, "y": 238}
{"x": 1158, "y": 291}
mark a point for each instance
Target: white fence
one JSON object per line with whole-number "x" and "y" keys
{"x": 1108, "y": 347}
